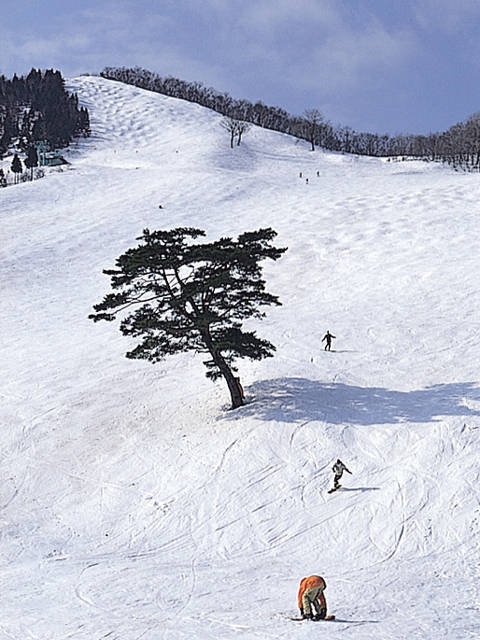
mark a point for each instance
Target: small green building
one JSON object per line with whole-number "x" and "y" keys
{"x": 48, "y": 158}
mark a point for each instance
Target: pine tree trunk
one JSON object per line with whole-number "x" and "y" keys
{"x": 218, "y": 359}
{"x": 235, "y": 395}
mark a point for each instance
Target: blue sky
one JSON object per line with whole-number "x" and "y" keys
{"x": 385, "y": 66}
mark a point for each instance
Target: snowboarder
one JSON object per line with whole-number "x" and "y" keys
{"x": 310, "y": 593}
{"x": 338, "y": 469}
{"x": 327, "y": 338}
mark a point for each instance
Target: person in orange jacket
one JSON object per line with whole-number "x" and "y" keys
{"x": 310, "y": 593}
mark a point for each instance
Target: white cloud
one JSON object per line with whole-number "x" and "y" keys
{"x": 318, "y": 45}
{"x": 268, "y": 17}
{"x": 445, "y": 15}
{"x": 347, "y": 58}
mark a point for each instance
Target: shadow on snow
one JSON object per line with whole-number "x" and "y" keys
{"x": 300, "y": 399}
{"x": 362, "y": 489}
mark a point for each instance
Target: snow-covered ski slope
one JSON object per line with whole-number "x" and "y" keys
{"x": 134, "y": 505}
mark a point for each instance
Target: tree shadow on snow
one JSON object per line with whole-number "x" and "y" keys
{"x": 300, "y": 400}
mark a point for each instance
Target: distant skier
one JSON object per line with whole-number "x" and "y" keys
{"x": 310, "y": 593}
{"x": 327, "y": 338}
{"x": 338, "y": 469}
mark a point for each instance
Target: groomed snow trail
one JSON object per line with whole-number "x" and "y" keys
{"x": 133, "y": 504}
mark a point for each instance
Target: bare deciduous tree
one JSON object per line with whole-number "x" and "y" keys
{"x": 312, "y": 120}
{"x": 236, "y": 128}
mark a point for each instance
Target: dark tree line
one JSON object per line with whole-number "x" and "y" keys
{"x": 37, "y": 107}
{"x": 459, "y": 146}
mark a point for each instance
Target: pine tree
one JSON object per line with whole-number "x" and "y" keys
{"x": 83, "y": 123}
{"x": 193, "y": 296}
{"x": 31, "y": 160}
{"x": 16, "y": 167}
{"x": 37, "y": 107}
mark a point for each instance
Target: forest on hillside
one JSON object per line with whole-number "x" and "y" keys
{"x": 37, "y": 107}
{"x": 459, "y": 146}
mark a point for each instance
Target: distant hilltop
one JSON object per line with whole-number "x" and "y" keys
{"x": 457, "y": 146}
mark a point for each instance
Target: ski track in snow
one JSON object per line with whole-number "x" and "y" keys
{"x": 132, "y": 504}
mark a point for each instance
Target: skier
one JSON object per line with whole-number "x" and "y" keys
{"x": 311, "y": 593}
{"x": 338, "y": 469}
{"x": 328, "y": 338}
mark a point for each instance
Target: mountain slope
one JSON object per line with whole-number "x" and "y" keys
{"x": 134, "y": 505}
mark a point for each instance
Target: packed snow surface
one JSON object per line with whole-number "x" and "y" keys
{"x": 134, "y": 504}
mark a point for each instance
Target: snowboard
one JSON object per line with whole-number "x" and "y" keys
{"x": 334, "y": 489}
{"x": 329, "y": 617}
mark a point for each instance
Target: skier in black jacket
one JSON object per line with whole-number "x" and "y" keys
{"x": 328, "y": 338}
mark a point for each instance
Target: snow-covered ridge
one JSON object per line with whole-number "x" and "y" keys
{"x": 133, "y": 504}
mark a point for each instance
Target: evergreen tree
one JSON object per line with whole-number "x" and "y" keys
{"x": 37, "y": 107}
{"x": 16, "y": 167}
{"x": 177, "y": 295}
{"x": 83, "y": 122}
{"x": 31, "y": 160}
